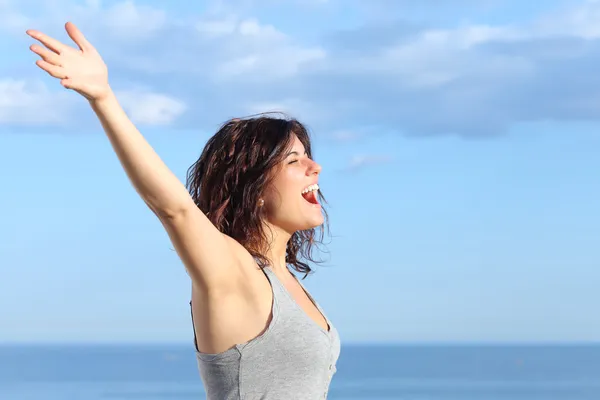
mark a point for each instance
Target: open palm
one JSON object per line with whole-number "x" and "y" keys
{"x": 82, "y": 69}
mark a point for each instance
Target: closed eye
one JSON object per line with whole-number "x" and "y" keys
{"x": 294, "y": 153}
{"x": 293, "y": 161}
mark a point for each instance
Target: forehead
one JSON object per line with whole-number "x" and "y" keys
{"x": 296, "y": 144}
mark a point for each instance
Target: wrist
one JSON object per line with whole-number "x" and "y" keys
{"x": 106, "y": 96}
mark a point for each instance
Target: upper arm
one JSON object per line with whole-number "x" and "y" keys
{"x": 210, "y": 257}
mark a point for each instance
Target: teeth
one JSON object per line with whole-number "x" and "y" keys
{"x": 311, "y": 188}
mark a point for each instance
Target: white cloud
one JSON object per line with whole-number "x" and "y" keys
{"x": 251, "y": 27}
{"x": 124, "y": 21}
{"x": 295, "y": 107}
{"x": 213, "y": 28}
{"x": 12, "y": 20}
{"x": 221, "y": 47}
{"x": 274, "y": 64}
{"x": 473, "y": 79}
{"x": 147, "y": 108}
{"x": 580, "y": 21}
{"x": 436, "y": 57}
{"x": 243, "y": 48}
{"x": 31, "y": 103}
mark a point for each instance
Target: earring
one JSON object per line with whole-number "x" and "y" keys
{"x": 261, "y": 202}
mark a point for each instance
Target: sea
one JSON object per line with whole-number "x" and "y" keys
{"x": 415, "y": 372}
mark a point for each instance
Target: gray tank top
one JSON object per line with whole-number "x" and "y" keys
{"x": 294, "y": 358}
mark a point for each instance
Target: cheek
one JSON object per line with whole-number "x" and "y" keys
{"x": 286, "y": 187}
{"x": 281, "y": 198}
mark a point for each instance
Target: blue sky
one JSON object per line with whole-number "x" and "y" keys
{"x": 459, "y": 145}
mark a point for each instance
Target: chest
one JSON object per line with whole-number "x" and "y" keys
{"x": 306, "y": 303}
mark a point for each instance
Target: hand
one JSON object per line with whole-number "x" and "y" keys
{"x": 80, "y": 69}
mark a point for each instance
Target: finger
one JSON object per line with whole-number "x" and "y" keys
{"x": 53, "y": 70}
{"x": 46, "y": 54}
{"x": 47, "y": 41}
{"x": 77, "y": 37}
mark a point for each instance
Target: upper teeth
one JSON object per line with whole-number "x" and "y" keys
{"x": 311, "y": 188}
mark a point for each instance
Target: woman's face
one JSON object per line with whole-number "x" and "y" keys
{"x": 291, "y": 200}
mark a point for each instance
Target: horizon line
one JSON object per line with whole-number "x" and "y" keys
{"x": 347, "y": 343}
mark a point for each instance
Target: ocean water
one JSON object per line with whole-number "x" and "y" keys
{"x": 416, "y": 372}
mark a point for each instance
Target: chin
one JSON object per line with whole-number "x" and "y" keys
{"x": 314, "y": 222}
{"x": 309, "y": 222}
{"x": 302, "y": 220}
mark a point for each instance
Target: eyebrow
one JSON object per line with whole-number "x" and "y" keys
{"x": 294, "y": 152}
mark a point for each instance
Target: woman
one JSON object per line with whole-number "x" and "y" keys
{"x": 250, "y": 213}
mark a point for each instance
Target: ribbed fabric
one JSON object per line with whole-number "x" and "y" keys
{"x": 293, "y": 359}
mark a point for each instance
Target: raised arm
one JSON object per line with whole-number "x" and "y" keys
{"x": 208, "y": 255}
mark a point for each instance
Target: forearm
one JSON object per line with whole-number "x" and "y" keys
{"x": 162, "y": 191}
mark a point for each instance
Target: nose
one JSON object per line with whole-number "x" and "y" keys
{"x": 314, "y": 168}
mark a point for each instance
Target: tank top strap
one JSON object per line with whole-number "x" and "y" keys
{"x": 273, "y": 280}
{"x": 279, "y": 291}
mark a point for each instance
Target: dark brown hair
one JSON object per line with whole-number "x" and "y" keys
{"x": 231, "y": 175}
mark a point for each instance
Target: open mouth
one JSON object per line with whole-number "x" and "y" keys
{"x": 310, "y": 194}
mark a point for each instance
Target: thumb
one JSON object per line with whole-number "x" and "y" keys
{"x": 67, "y": 83}
{"x": 77, "y": 37}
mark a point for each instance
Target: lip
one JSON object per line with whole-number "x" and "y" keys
{"x": 313, "y": 205}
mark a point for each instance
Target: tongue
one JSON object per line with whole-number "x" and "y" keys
{"x": 311, "y": 197}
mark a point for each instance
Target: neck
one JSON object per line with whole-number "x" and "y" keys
{"x": 278, "y": 240}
